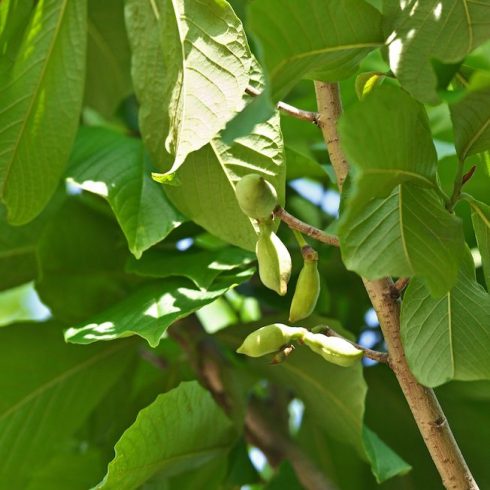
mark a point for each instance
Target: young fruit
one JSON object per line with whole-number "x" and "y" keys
{"x": 333, "y": 349}
{"x": 274, "y": 261}
{"x": 269, "y": 339}
{"x": 306, "y": 292}
{"x": 256, "y": 197}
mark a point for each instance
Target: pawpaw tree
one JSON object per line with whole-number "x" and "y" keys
{"x": 244, "y": 244}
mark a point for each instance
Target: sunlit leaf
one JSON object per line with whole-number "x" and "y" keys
{"x": 116, "y": 168}
{"x": 442, "y": 30}
{"x": 41, "y": 106}
{"x": 200, "y": 78}
{"x": 209, "y": 177}
{"x": 314, "y": 39}
{"x": 201, "y": 267}
{"x": 150, "y": 311}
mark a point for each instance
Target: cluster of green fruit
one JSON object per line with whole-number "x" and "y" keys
{"x": 257, "y": 198}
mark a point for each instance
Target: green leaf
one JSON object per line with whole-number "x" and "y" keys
{"x": 379, "y": 143}
{"x": 205, "y": 60}
{"x": 407, "y": 234}
{"x": 471, "y": 123}
{"x": 385, "y": 463}
{"x": 480, "y": 216}
{"x": 18, "y": 251}
{"x": 81, "y": 257}
{"x": 50, "y": 396}
{"x": 150, "y": 311}
{"x": 108, "y": 78}
{"x": 314, "y": 39}
{"x": 202, "y": 267}
{"x": 208, "y": 178}
{"x": 192, "y": 430}
{"x": 41, "y": 106}
{"x": 114, "y": 166}
{"x": 14, "y": 17}
{"x": 76, "y": 470}
{"x": 302, "y": 165}
{"x": 442, "y": 30}
{"x": 147, "y": 72}
{"x": 447, "y": 338}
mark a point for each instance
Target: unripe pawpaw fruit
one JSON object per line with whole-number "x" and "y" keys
{"x": 256, "y": 197}
{"x": 270, "y": 339}
{"x": 274, "y": 261}
{"x": 306, "y": 292}
{"x": 333, "y": 349}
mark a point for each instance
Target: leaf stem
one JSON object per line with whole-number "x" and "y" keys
{"x": 458, "y": 185}
{"x": 423, "y": 403}
{"x": 296, "y": 224}
{"x": 299, "y": 238}
{"x": 290, "y": 110}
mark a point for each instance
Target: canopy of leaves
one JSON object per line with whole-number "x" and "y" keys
{"x": 124, "y": 129}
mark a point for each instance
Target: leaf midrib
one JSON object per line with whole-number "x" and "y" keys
{"x": 35, "y": 95}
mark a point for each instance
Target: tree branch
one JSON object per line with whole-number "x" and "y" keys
{"x": 311, "y": 117}
{"x": 296, "y": 224}
{"x": 423, "y": 403}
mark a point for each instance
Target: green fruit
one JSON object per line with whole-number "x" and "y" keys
{"x": 333, "y": 349}
{"x": 269, "y": 339}
{"x": 306, "y": 292}
{"x": 274, "y": 261}
{"x": 256, "y": 197}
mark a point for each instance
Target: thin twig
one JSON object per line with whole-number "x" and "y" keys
{"x": 401, "y": 283}
{"x": 296, "y": 224}
{"x": 311, "y": 117}
{"x": 369, "y": 353}
{"x": 423, "y": 403}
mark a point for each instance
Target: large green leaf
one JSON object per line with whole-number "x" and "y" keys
{"x": 151, "y": 310}
{"x": 208, "y": 178}
{"x": 315, "y": 39}
{"x": 81, "y": 257}
{"x": 108, "y": 57}
{"x": 471, "y": 122}
{"x": 14, "y": 17}
{"x": 201, "y": 267}
{"x": 206, "y": 61}
{"x": 380, "y": 143}
{"x": 481, "y": 223}
{"x": 44, "y": 401}
{"x": 115, "y": 167}
{"x": 407, "y": 234}
{"x": 192, "y": 430}
{"x": 433, "y": 30}
{"x": 41, "y": 106}
{"x": 447, "y": 338}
